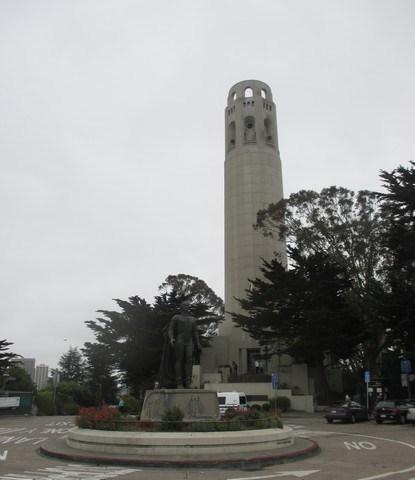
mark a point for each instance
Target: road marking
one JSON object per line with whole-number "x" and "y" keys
{"x": 410, "y": 445}
{"x": 389, "y": 474}
{"x": 293, "y": 473}
{"x": 360, "y": 445}
{"x": 70, "y": 472}
{"x": 3, "y": 456}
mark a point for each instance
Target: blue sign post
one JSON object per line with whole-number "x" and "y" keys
{"x": 406, "y": 369}
{"x": 406, "y": 366}
{"x": 367, "y": 380}
{"x": 274, "y": 381}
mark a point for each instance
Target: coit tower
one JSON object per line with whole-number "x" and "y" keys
{"x": 253, "y": 180}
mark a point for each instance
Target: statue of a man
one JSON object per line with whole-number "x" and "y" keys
{"x": 184, "y": 339}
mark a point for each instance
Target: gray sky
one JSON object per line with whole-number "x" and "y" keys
{"x": 112, "y": 137}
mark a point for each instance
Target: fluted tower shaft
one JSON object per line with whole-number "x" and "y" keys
{"x": 253, "y": 179}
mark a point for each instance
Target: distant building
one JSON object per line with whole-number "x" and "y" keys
{"x": 41, "y": 375}
{"x": 28, "y": 364}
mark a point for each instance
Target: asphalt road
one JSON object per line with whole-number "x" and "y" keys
{"x": 362, "y": 451}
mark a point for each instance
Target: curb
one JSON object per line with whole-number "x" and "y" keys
{"x": 311, "y": 449}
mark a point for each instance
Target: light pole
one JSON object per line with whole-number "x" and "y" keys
{"x": 55, "y": 380}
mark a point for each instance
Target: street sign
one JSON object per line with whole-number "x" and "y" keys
{"x": 367, "y": 376}
{"x": 406, "y": 366}
{"x": 375, "y": 384}
{"x": 274, "y": 381}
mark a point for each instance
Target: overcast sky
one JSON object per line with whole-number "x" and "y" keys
{"x": 112, "y": 137}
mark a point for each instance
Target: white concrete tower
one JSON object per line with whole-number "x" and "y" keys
{"x": 253, "y": 179}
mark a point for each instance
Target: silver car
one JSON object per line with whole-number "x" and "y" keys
{"x": 410, "y": 417}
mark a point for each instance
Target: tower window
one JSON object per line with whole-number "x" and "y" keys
{"x": 231, "y": 135}
{"x": 264, "y": 93}
{"x": 249, "y": 133}
{"x": 268, "y": 131}
{"x": 234, "y": 96}
{"x": 248, "y": 92}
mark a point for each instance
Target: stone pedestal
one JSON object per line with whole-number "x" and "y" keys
{"x": 197, "y": 405}
{"x": 195, "y": 376}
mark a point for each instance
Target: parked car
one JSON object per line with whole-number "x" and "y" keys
{"x": 232, "y": 400}
{"x": 347, "y": 412}
{"x": 410, "y": 416}
{"x": 395, "y": 410}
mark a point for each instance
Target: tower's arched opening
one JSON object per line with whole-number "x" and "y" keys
{"x": 268, "y": 130}
{"x": 248, "y": 92}
{"x": 249, "y": 130}
{"x": 264, "y": 93}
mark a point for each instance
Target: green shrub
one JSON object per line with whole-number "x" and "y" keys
{"x": 44, "y": 401}
{"x": 70, "y": 408}
{"x": 172, "y": 420}
{"x": 251, "y": 419}
{"x": 203, "y": 426}
{"x": 274, "y": 422}
{"x": 235, "y": 425}
{"x": 73, "y": 392}
{"x": 266, "y": 407}
{"x": 132, "y": 405}
{"x": 280, "y": 403}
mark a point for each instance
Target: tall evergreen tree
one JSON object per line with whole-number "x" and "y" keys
{"x": 303, "y": 311}
{"x": 6, "y": 358}
{"x": 21, "y": 380}
{"x": 348, "y": 227}
{"x": 134, "y": 335}
{"x": 399, "y": 211}
{"x": 72, "y": 366}
{"x": 100, "y": 372}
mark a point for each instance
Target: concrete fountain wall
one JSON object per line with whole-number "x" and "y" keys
{"x": 180, "y": 445}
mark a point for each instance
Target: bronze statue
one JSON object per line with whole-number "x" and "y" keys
{"x": 181, "y": 345}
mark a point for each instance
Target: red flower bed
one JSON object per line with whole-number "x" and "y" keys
{"x": 105, "y": 418}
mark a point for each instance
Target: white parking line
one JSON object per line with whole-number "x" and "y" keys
{"x": 388, "y": 474}
{"x": 70, "y": 472}
{"x": 301, "y": 433}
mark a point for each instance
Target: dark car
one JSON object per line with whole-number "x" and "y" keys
{"x": 395, "y": 410}
{"x": 347, "y": 412}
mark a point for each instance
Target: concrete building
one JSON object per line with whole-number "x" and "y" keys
{"x": 28, "y": 364}
{"x": 41, "y": 375}
{"x": 253, "y": 180}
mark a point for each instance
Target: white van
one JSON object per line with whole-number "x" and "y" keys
{"x": 231, "y": 400}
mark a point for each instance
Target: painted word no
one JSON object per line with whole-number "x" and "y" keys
{"x": 360, "y": 445}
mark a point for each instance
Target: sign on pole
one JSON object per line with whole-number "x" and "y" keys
{"x": 367, "y": 380}
{"x": 274, "y": 381}
{"x": 406, "y": 366}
